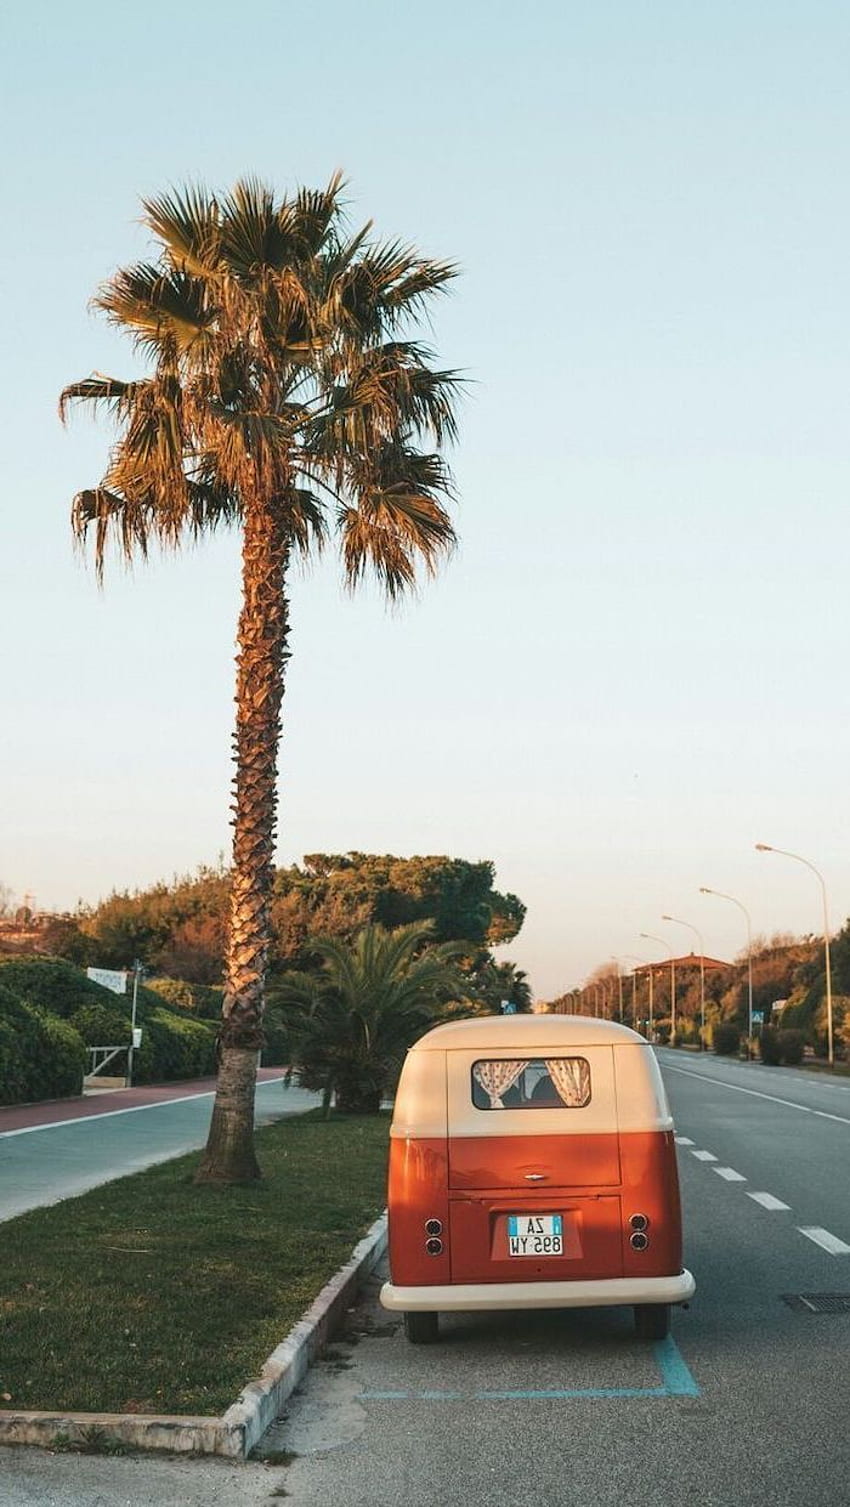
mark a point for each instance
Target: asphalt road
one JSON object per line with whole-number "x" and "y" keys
{"x": 44, "y": 1163}
{"x": 749, "y": 1404}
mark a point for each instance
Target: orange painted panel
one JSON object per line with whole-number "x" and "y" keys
{"x": 417, "y": 1191}
{"x": 651, "y": 1187}
{"x": 548, "y": 1161}
{"x": 479, "y": 1239}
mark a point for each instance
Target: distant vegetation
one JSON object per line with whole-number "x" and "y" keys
{"x": 789, "y": 993}
{"x": 327, "y": 907}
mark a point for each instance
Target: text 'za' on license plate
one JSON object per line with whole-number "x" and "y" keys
{"x": 535, "y": 1235}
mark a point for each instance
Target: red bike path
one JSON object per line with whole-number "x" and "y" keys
{"x": 106, "y": 1101}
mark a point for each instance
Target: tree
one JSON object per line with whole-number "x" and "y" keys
{"x": 285, "y": 385}
{"x": 348, "y": 1029}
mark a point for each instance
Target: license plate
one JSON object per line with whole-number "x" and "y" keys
{"x": 535, "y": 1235}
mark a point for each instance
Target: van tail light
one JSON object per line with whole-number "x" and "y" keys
{"x": 434, "y": 1246}
{"x": 639, "y": 1222}
{"x": 433, "y": 1227}
{"x": 638, "y": 1240}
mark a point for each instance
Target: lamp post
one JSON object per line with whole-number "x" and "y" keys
{"x": 619, "y": 985}
{"x": 646, "y": 962}
{"x": 647, "y": 935}
{"x": 692, "y": 928}
{"x": 704, "y": 890}
{"x": 764, "y": 847}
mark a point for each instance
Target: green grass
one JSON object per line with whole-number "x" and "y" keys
{"x": 154, "y": 1295}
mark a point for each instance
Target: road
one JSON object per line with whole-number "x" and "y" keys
{"x": 749, "y": 1404}
{"x": 52, "y": 1152}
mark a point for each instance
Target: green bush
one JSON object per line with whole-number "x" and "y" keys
{"x": 727, "y": 1039}
{"x": 769, "y": 1049}
{"x": 52, "y": 984}
{"x": 201, "y": 1000}
{"x": 792, "y": 1045}
{"x": 174, "y": 1047}
{"x": 41, "y": 1056}
{"x": 101, "y": 1025}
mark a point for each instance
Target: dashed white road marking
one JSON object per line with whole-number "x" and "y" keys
{"x": 704, "y": 1156}
{"x": 729, "y": 1174}
{"x": 827, "y": 1242}
{"x": 768, "y": 1201}
{"x": 683, "y": 1140}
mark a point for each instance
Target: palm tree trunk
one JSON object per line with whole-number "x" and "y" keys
{"x": 261, "y": 660}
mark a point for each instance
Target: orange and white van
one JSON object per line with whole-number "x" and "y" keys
{"x": 533, "y": 1165}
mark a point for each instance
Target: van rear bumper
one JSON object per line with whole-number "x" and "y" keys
{"x": 471, "y": 1296}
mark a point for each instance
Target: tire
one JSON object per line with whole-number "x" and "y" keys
{"x": 652, "y": 1321}
{"x": 422, "y": 1328}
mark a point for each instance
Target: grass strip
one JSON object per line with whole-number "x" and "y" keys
{"x": 152, "y": 1295}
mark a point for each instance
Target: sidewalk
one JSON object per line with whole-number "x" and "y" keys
{"x": 49, "y": 1152}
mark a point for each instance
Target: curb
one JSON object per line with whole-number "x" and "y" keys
{"x": 243, "y": 1425}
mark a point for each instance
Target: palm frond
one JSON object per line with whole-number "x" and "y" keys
{"x": 163, "y": 308}
{"x": 187, "y": 223}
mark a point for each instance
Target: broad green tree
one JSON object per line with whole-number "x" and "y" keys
{"x": 286, "y": 393}
{"x": 348, "y": 1028}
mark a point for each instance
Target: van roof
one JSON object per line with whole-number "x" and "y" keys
{"x": 537, "y": 1031}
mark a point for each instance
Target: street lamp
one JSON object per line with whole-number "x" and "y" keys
{"x": 646, "y": 963}
{"x": 647, "y": 935}
{"x": 764, "y": 847}
{"x": 692, "y": 928}
{"x": 703, "y": 889}
{"x": 619, "y": 984}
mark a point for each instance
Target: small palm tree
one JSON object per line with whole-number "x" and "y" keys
{"x": 286, "y": 390}
{"x": 349, "y": 1027}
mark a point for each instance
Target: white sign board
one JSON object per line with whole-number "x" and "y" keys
{"x": 108, "y": 978}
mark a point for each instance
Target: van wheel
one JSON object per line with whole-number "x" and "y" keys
{"x": 422, "y": 1328}
{"x": 652, "y": 1320}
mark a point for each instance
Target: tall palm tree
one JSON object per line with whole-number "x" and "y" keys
{"x": 349, "y": 1027}
{"x": 286, "y": 391}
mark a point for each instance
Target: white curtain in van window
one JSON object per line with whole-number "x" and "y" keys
{"x": 496, "y": 1078}
{"x": 571, "y": 1077}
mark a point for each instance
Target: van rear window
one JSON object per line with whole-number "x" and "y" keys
{"x": 531, "y": 1083}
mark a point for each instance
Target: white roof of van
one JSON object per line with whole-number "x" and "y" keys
{"x": 525, "y": 1031}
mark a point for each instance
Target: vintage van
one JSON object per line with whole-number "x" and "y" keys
{"x": 532, "y": 1165}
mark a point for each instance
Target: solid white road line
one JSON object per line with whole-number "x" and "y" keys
{"x": 704, "y": 1156}
{"x": 730, "y": 1174}
{"x": 827, "y": 1242}
{"x": 736, "y": 1088}
{"x": 768, "y": 1201}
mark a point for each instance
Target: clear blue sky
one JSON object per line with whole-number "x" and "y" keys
{"x": 634, "y": 668}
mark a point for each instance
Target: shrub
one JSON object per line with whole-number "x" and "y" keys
{"x": 101, "y": 1026}
{"x": 41, "y": 1056}
{"x": 174, "y": 1047}
{"x": 203, "y": 1000}
{"x": 791, "y": 1046}
{"x": 769, "y": 1049}
{"x": 727, "y": 1039}
{"x": 52, "y": 984}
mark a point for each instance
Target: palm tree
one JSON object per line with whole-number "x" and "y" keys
{"x": 285, "y": 387}
{"x": 350, "y": 1027}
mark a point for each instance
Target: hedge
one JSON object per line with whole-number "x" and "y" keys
{"x": 41, "y": 1056}
{"x": 175, "y": 1044}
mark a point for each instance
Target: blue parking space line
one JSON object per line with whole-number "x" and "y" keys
{"x": 678, "y": 1381}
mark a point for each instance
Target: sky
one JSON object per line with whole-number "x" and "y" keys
{"x": 633, "y": 668}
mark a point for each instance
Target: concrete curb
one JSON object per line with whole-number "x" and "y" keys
{"x": 245, "y": 1422}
